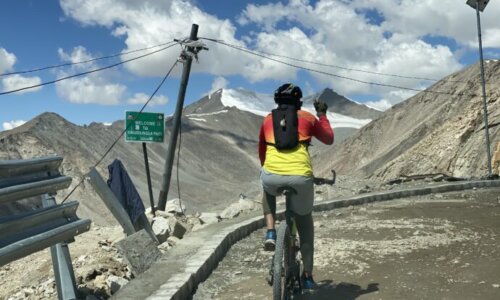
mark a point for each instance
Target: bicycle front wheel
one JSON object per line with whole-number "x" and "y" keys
{"x": 281, "y": 264}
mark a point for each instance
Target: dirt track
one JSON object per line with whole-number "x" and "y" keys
{"x": 442, "y": 246}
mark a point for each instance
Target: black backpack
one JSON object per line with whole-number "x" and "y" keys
{"x": 285, "y": 125}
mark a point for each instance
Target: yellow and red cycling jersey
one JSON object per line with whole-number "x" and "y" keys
{"x": 294, "y": 161}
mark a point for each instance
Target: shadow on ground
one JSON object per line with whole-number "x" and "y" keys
{"x": 327, "y": 290}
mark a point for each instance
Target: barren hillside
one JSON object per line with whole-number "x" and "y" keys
{"x": 437, "y": 131}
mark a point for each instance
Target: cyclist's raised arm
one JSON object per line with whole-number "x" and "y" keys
{"x": 323, "y": 131}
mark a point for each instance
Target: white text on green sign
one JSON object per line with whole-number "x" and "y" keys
{"x": 144, "y": 127}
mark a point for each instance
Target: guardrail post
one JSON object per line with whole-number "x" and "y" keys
{"x": 117, "y": 209}
{"x": 111, "y": 202}
{"x": 61, "y": 262}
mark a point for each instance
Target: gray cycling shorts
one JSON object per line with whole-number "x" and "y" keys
{"x": 301, "y": 202}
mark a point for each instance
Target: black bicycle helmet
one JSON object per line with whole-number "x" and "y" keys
{"x": 287, "y": 93}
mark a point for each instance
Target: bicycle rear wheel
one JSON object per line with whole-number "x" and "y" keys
{"x": 281, "y": 263}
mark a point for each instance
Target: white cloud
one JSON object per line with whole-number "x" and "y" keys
{"x": 12, "y": 124}
{"x": 79, "y": 54}
{"x": 393, "y": 97}
{"x": 449, "y": 18}
{"x": 7, "y": 60}
{"x": 219, "y": 83}
{"x": 327, "y": 31}
{"x": 380, "y": 105}
{"x": 147, "y": 23}
{"x": 337, "y": 34}
{"x": 491, "y": 38}
{"x": 141, "y": 98}
{"x": 266, "y": 15}
{"x": 415, "y": 59}
{"x": 98, "y": 87}
{"x": 14, "y": 82}
{"x": 92, "y": 88}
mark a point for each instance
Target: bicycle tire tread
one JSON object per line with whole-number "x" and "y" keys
{"x": 279, "y": 258}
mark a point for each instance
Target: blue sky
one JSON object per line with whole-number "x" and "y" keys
{"x": 402, "y": 37}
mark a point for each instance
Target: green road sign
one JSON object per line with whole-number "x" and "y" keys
{"x": 144, "y": 127}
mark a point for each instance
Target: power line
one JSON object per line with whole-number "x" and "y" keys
{"x": 332, "y": 74}
{"x": 85, "y": 73}
{"x": 361, "y": 71}
{"x": 84, "y": 61}
{"x": 126, "y": 128}
{"x": 337, "y": 66}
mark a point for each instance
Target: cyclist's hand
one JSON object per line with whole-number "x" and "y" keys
{"x": 320, "y": 107}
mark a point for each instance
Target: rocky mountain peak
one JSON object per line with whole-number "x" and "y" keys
{"x": 45, "y": 120}
{"x": 342, "y": 105}
{"x": 50, "y": 119}
{"x": 207, "y": 104}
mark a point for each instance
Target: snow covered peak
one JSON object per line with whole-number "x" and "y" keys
{"x": 259, "y": 104}
{"x": 262, "y": 104}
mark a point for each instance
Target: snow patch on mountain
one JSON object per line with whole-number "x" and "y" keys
{"x": 208, "y": 114}
{"x": 338, "y": 120}
{"x": 369, "y": 106}
{"x": 198, "y": 119}
{"x": 262, "y": 104}
{"x": 259, "y": 104}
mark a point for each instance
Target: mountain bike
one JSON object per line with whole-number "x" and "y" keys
{"x": 285, "y": 268}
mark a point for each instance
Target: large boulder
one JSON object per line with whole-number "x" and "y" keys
{"x": 231, "y": 211}
{"x": 161, "y": 228}
{"x": 139, "y": 250}
{"x": 177, "y": 228}
{"x": 246, "y": 204}
{"x": 175, "y": 206}
{"x": 209, "y": 218}
{"x": 115, "y": 283}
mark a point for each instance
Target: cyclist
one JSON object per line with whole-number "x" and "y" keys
{"x": 292, "y": 168}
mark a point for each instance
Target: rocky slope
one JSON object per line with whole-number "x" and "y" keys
{"x": 440, "y": 130}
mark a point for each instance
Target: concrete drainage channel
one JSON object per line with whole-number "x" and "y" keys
{"x": 179, "y": 272}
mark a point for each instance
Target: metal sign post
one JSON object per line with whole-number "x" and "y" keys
{"x": 145, "y": 127}
{"x": 150, "y": 189}
{"x": 480, "y": 5}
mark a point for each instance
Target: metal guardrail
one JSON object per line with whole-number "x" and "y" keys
{"x": 26, "y": 190}
{"x": 51, "y": 226}
{"x": 21, "y": 235}
{"x": 29, "y": 167}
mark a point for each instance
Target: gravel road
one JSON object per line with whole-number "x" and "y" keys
{"x": 441, "y": 246}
